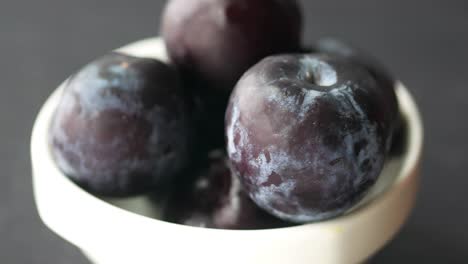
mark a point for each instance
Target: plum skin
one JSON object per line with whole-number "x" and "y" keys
{"x": 385, "y": 79}
{"x": 218, "y": 40}
{"x": 308, "y": 134}
{"x": 214, "y": 199}
{"x": 121, "y": 126}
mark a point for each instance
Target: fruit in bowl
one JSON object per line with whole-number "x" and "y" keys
{"x": 95, "y": 224}
{"x": 308, "y": 136}
{"x": 307, "y": 133}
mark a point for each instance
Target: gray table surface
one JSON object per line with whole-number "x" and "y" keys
{"x": 424, "y": 42}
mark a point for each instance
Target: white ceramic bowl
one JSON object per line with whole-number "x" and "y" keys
{"x": 127, "y": 231}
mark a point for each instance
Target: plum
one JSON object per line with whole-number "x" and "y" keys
{"x": 215, "y": 199}
{"x": 121, "y": 127}
{"x": 307, "y": 134}
{"x": 218, "y": 40}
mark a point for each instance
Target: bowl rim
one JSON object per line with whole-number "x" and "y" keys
{"x": 412, "y": 155}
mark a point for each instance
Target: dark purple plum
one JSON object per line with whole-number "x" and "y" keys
{"x": 307, "y": 134}
{"x": 121, "y": 127}
{"x": 384, "y": 78}
{"x": 215, "y": 199}
{"x": 218, "y": 40}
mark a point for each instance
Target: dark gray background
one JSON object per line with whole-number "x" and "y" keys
{"x": 424, "y": 42}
